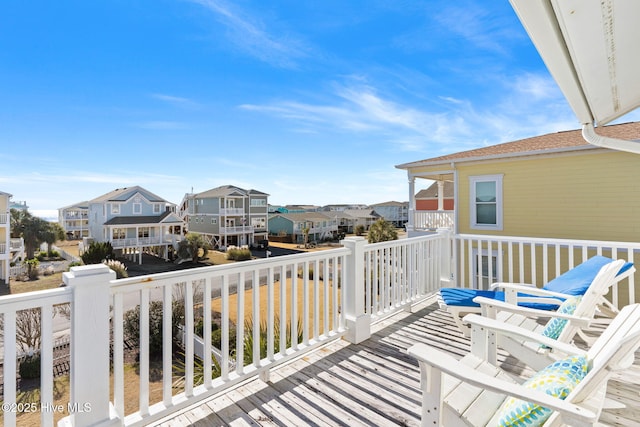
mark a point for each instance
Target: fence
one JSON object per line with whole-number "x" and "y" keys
{"x": 267, "y": 311}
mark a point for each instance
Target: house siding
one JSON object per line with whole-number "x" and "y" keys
{"x": 582, "y": 196}
{"x": 432, "y": 205}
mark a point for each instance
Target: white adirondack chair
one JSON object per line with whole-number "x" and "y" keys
{"x": 462, "y": 301}
{"x": 485, "y": 341}
{"x": 469, "y": 392}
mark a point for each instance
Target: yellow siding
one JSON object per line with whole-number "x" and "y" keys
{"x": 582, "y": 196}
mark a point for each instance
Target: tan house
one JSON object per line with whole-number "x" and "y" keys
{"x": 555, "y": 185}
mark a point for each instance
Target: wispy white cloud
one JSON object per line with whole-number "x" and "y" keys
{"x": 249, "y": 34}
{"x": 476, "y": 25}
{"x": 175, "y": 100}
{"x": 520, "y": 106}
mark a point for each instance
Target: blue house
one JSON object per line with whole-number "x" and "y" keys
{"x": 134, "y": 221}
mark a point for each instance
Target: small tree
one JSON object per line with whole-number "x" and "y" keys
{"x": 190, "y": 247}
{"x": 131, "y": 325}
{"x": 32, "y": 268}
{"x": 359, "y": 230}
{"x": 382, "y": 231}
{"x": 97, "y": 252}
{"x": 54, "y": 233}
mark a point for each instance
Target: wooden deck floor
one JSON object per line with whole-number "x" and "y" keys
{"x": 374, "y": 383}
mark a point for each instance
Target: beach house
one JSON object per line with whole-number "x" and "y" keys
{"x": 227, "y": 215}
{"x": 74, "y": 219}
{"x": 135, "y": 220}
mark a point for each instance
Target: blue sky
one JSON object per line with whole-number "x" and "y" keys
{"x": 312, "y": 102}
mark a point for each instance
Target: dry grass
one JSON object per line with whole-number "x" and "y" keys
{"x": 62, "y": 395}
{"x": 216, "y": 305}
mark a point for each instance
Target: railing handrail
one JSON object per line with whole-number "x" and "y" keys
{"x": 543, "y": 240}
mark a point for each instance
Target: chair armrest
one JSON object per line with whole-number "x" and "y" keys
{"x": 522, "y": 333}
{"x": 532, "y": 290}
{"x": 431, "y": 357}
{"x": 488, "y": 305}
{"x": 501, "y": 285}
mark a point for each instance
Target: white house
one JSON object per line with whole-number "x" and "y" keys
{"x": 74, "y": 219}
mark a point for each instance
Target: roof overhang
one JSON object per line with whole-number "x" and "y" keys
{"x": 590, "y": 49}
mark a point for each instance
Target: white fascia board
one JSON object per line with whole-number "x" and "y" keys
{"x": 541, "y": 23}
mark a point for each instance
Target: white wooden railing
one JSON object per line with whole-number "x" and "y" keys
{"x": 327, "y": 295}
{"x": 4, "y": 218}
{"x": 15, "y": 310}
{"x": 400, "y": 272}
{"x": 237, "y": 229}
{"x": 512, "y": 259}
{"x": 232, "y": 211}
{"x": 433, "y": 220}
{"x": 135, "y": 242}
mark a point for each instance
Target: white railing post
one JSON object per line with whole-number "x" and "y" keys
{"x": 446, "y": 277}
{"x": 89, "y": 403}
{"x": 357, "y": 321}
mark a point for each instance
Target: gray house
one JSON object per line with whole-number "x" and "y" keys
{"x": 292, "y": 226}
{"x": 397, "y": 213}
{"x": 227, "y": 215}
{"x": 134, "y": 221}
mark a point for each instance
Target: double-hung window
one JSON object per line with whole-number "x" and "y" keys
{"x": 486, "y": 202}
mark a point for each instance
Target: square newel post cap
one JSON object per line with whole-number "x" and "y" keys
{"x": 86, "y": 274}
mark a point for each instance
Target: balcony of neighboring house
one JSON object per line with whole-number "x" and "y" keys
{"x": 4, "y": 219}
{"x": 343, "y": 362}
{"x": 232, "y": 211}
{"x": 237, "y": 229}
{"x": 433, "y": 220}
{"x": 77, "y": 216}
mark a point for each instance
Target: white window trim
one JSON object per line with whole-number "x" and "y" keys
{"x": 472, "y": 202}
{"x": 115, "y": 209}
{"x": 137, "y": 208}
{"x": 157, "y": 208}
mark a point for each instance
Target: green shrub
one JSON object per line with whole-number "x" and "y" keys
{"x": 73, "y": 264}
{"x": 97, "y": 252}
{"x": 32, "y": 268}
{"x": 30, "y": 367}
{"x": 53, "y": 254}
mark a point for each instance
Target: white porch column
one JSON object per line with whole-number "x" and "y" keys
{"x": 440, "y": 195}
{"x": 358, "y": 322}
{"x": 446, "y": 276}
{"x": 89, "y": 345}
{"x": 412, "y": 202}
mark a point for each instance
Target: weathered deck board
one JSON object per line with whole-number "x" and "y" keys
{"x": 375, "y": 383}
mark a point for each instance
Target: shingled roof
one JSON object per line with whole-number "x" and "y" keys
{"x": 551, "y": 142}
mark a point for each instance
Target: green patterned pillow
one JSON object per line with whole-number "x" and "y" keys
{"x": 557, "y": 379}
{"x": 554, "y": 327}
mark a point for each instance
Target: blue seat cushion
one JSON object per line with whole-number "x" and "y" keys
{"x": 577, "y": 280}
{"x": 573, "y": 282}
{"x": 458, "y": 297}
